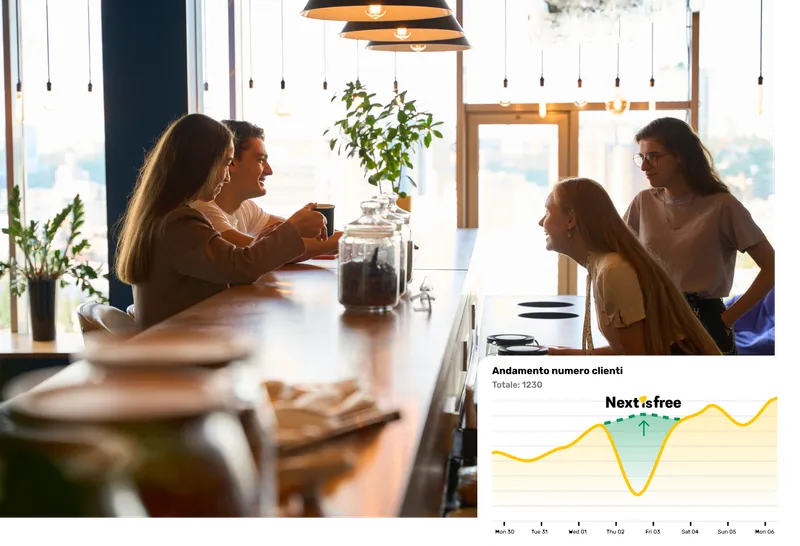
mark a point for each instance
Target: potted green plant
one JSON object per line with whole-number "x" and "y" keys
{"x": 382, "y": 135}
{"x": 42, "y": 265}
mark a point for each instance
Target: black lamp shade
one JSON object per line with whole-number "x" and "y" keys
{"x": 375, "y": 10}
{"x": 457, "y": 44}
{"x": 418, "y": 30}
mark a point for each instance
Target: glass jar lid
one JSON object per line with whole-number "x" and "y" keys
{"x": 371, "y": 223}
{"x": 392, "y": 198}
{"x": 386, "y": 210}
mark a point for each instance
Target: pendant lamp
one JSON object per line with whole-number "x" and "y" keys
{"x": 370, "y": 11}
{"x": 458, "y": 44}
{"x": 419, "y": 30}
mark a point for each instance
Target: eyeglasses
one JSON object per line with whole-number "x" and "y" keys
{"x": 651, "y": 158}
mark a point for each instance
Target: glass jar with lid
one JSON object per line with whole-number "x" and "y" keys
{"x": 369, "y": 262}
{"x": 405, "y": 237}
{"x": 406, "y": 216}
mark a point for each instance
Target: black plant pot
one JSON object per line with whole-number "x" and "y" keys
{"x": 42, "y": 293}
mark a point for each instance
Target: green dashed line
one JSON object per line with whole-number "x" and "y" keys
{"x": 643, "y": 414}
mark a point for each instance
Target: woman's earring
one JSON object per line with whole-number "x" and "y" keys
{"x": 569, "y": 234}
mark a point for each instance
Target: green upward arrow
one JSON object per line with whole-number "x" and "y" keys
{"x": 644, "y": 425}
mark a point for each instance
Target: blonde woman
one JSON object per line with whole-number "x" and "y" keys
{"x": 168, "y": 251}
{"x": 640, "y": 311}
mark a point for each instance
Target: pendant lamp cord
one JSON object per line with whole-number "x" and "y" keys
{"x": 89, "y": 27}
{"x": 250, "y": 37}
{"x": 761, "y": 44}
{"x": 205, "y": 54}
{"x": 19, "y": 71}
{"x": 47, "y": 23}
{"x": 619, "y": 39}
{"x": 505, "y": 40}
{"x": 652, "y": 50}
{"x": 282, "y": 75}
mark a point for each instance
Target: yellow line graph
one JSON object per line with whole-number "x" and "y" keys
{"x": 660, "y": 451}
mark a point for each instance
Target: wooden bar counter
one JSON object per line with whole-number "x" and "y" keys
{"x": 414, "y": 361}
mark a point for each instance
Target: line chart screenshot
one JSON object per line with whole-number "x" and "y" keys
{"x": 586, "y": 448}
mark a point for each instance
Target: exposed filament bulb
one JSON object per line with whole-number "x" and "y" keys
{"x": 375, "y": 11}
{"x": 402, "y": 33}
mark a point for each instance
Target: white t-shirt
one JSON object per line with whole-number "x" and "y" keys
{"x": 249, "y": 219}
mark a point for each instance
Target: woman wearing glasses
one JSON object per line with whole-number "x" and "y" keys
{"x": 691, "y": 221}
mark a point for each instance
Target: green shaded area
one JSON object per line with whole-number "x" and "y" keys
{"x": 638, "y": 440}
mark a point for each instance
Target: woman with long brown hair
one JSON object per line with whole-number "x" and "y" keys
{"x": 691, "y": 221}
{"x": 168, "y": 251}
{"x": 640, "y": 310}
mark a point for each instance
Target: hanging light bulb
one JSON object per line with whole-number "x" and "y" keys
{"x": 49, "y": 99}
{"x": 282, "y": 105}
{"x": 402, "y": 33}
{"x": 619, "y": 104}
{"x": 505, "y": 98}
{"x": 375, "y": 11}
{"x": 542, "y": 100}
{"x": 324, "y": 58}
{"x": 652, "y": 103}
{"x": 419, "y": 48}
{"x": 580, "y": 99}
{"x": 652, "y": 94}
{"x": 19, "y": 112}
{"x": 398, "y": 100}
{"x": 580, "y": 96}
{"x": 542, "y": 97}
{"x": 358, "y": 96}
{"x": 760, "y": 96}
{"x": 49, "y": 102}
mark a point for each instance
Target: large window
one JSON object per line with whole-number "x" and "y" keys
{"x": 64, "y": 146}
{"x": 216, "y": 41}
{"x": 740, "y": 139}
{"x": 304, "y": 166}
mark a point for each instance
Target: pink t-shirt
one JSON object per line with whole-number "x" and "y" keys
{"x": 696, "y": 237}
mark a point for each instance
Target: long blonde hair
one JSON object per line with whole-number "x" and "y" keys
{"x": 669, "y": 319}
{"x": 184, "y": 161}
